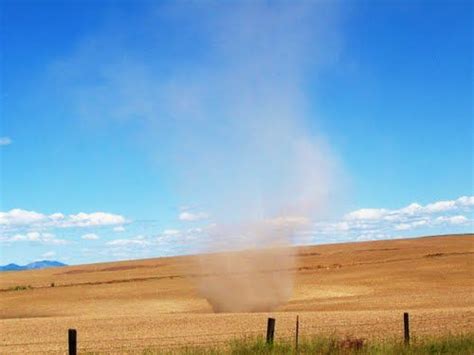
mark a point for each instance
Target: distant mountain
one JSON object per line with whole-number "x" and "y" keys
{"x": 43, "y": 264}
{"x": 11, "y": 267}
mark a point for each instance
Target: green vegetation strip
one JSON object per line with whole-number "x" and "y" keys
{"x": 449, "y": 344}
{"x": 20, "y": 288}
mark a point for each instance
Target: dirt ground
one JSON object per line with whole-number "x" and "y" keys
{"x": 353, "y": 289}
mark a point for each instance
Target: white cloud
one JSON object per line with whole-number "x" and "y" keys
{"x": 124, "y": 242}
{"x": 21, "y": 217}
{"x": 402, "y": 226}
{"x": 5, "y": 141}
{"x": 441, "y": 206}
{"x": 420, "y": 223}
{"x": 186, "y": 238}
{"x": 377, "y": 223}
{"x": 458, "y": 220}
{"x": 35, "y": 237}
{"x": 466, "y": 201}
{"x": 192, "y": 217}
{"x": 453, "y": 219}
{"x": 119, "y": 229}
{"x": 140, "y": 241}
{"x": 90, "y": 236}
{"x": 412, "y": 210}
{"x": 171, "y": 232}
{"x": 16, "y": 218}
{"x": 56, "y": 216}
{"x": 366, "y": 214}
{"x": 412, "y": 225}
{"x": 93, "y": 219}
{"x": 48, "y": 254}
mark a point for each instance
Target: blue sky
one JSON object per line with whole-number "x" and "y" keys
{"x": 130, "y": 129}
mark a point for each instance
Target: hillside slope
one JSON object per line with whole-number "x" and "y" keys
{"x": 357, "y": 288}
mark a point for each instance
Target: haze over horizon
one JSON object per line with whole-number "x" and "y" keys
{"x": 134, "y": 130}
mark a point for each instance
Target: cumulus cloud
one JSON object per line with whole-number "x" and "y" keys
{"x": 441, "y": 206}
{"x": 92, "y": 219}
{"x": 119, "y": 229}
{"x": 20, "y": 217}
{"x": 5, "y": 141}
{"x": 366, "y": 214}
{"x": 17, "y": 218}
{"x": 410, "y": 211}
{"x": 90, "y": 236}
{"x": 382, "y": 223}
{"x": 465, "y": 201}
{"x": 48, "y": 254}
{"x": 452, "y": 220}
{"x": 139, "y": 241}
{"x": 192, "y": 217}
{"x": 34, "y": 237}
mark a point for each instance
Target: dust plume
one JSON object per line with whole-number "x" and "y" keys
{"x": 265, "y": 173}
{"x": 256, "y": 279}
{"x": 229, "y": 115}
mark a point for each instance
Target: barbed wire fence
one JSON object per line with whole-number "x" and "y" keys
{"x": 73, "y": 342}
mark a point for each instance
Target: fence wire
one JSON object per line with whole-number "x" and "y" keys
{"x": 418, "y": 324}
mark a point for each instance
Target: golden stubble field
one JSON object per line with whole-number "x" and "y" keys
{"x": 357, "y": 289}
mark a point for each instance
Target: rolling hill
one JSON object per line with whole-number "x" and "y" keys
{"x": 359, "y": 289}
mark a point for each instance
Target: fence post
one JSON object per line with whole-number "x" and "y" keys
{"x": 270, "y": 330}
{"x": 297, "y": 332}
{"x": 406, "y": 328}
{"x": 72, "y": 341}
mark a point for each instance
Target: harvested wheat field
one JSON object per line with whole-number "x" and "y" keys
{"x": 357, "y": 289}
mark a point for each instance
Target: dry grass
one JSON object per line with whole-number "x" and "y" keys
{"x": 358, "y": 289}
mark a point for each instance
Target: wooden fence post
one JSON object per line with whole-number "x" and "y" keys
{"x": 297, "y": 332}
{"x": 406, "y": 328}
{"x": 72, "y": 341}
{"x": 270, "y": 330}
